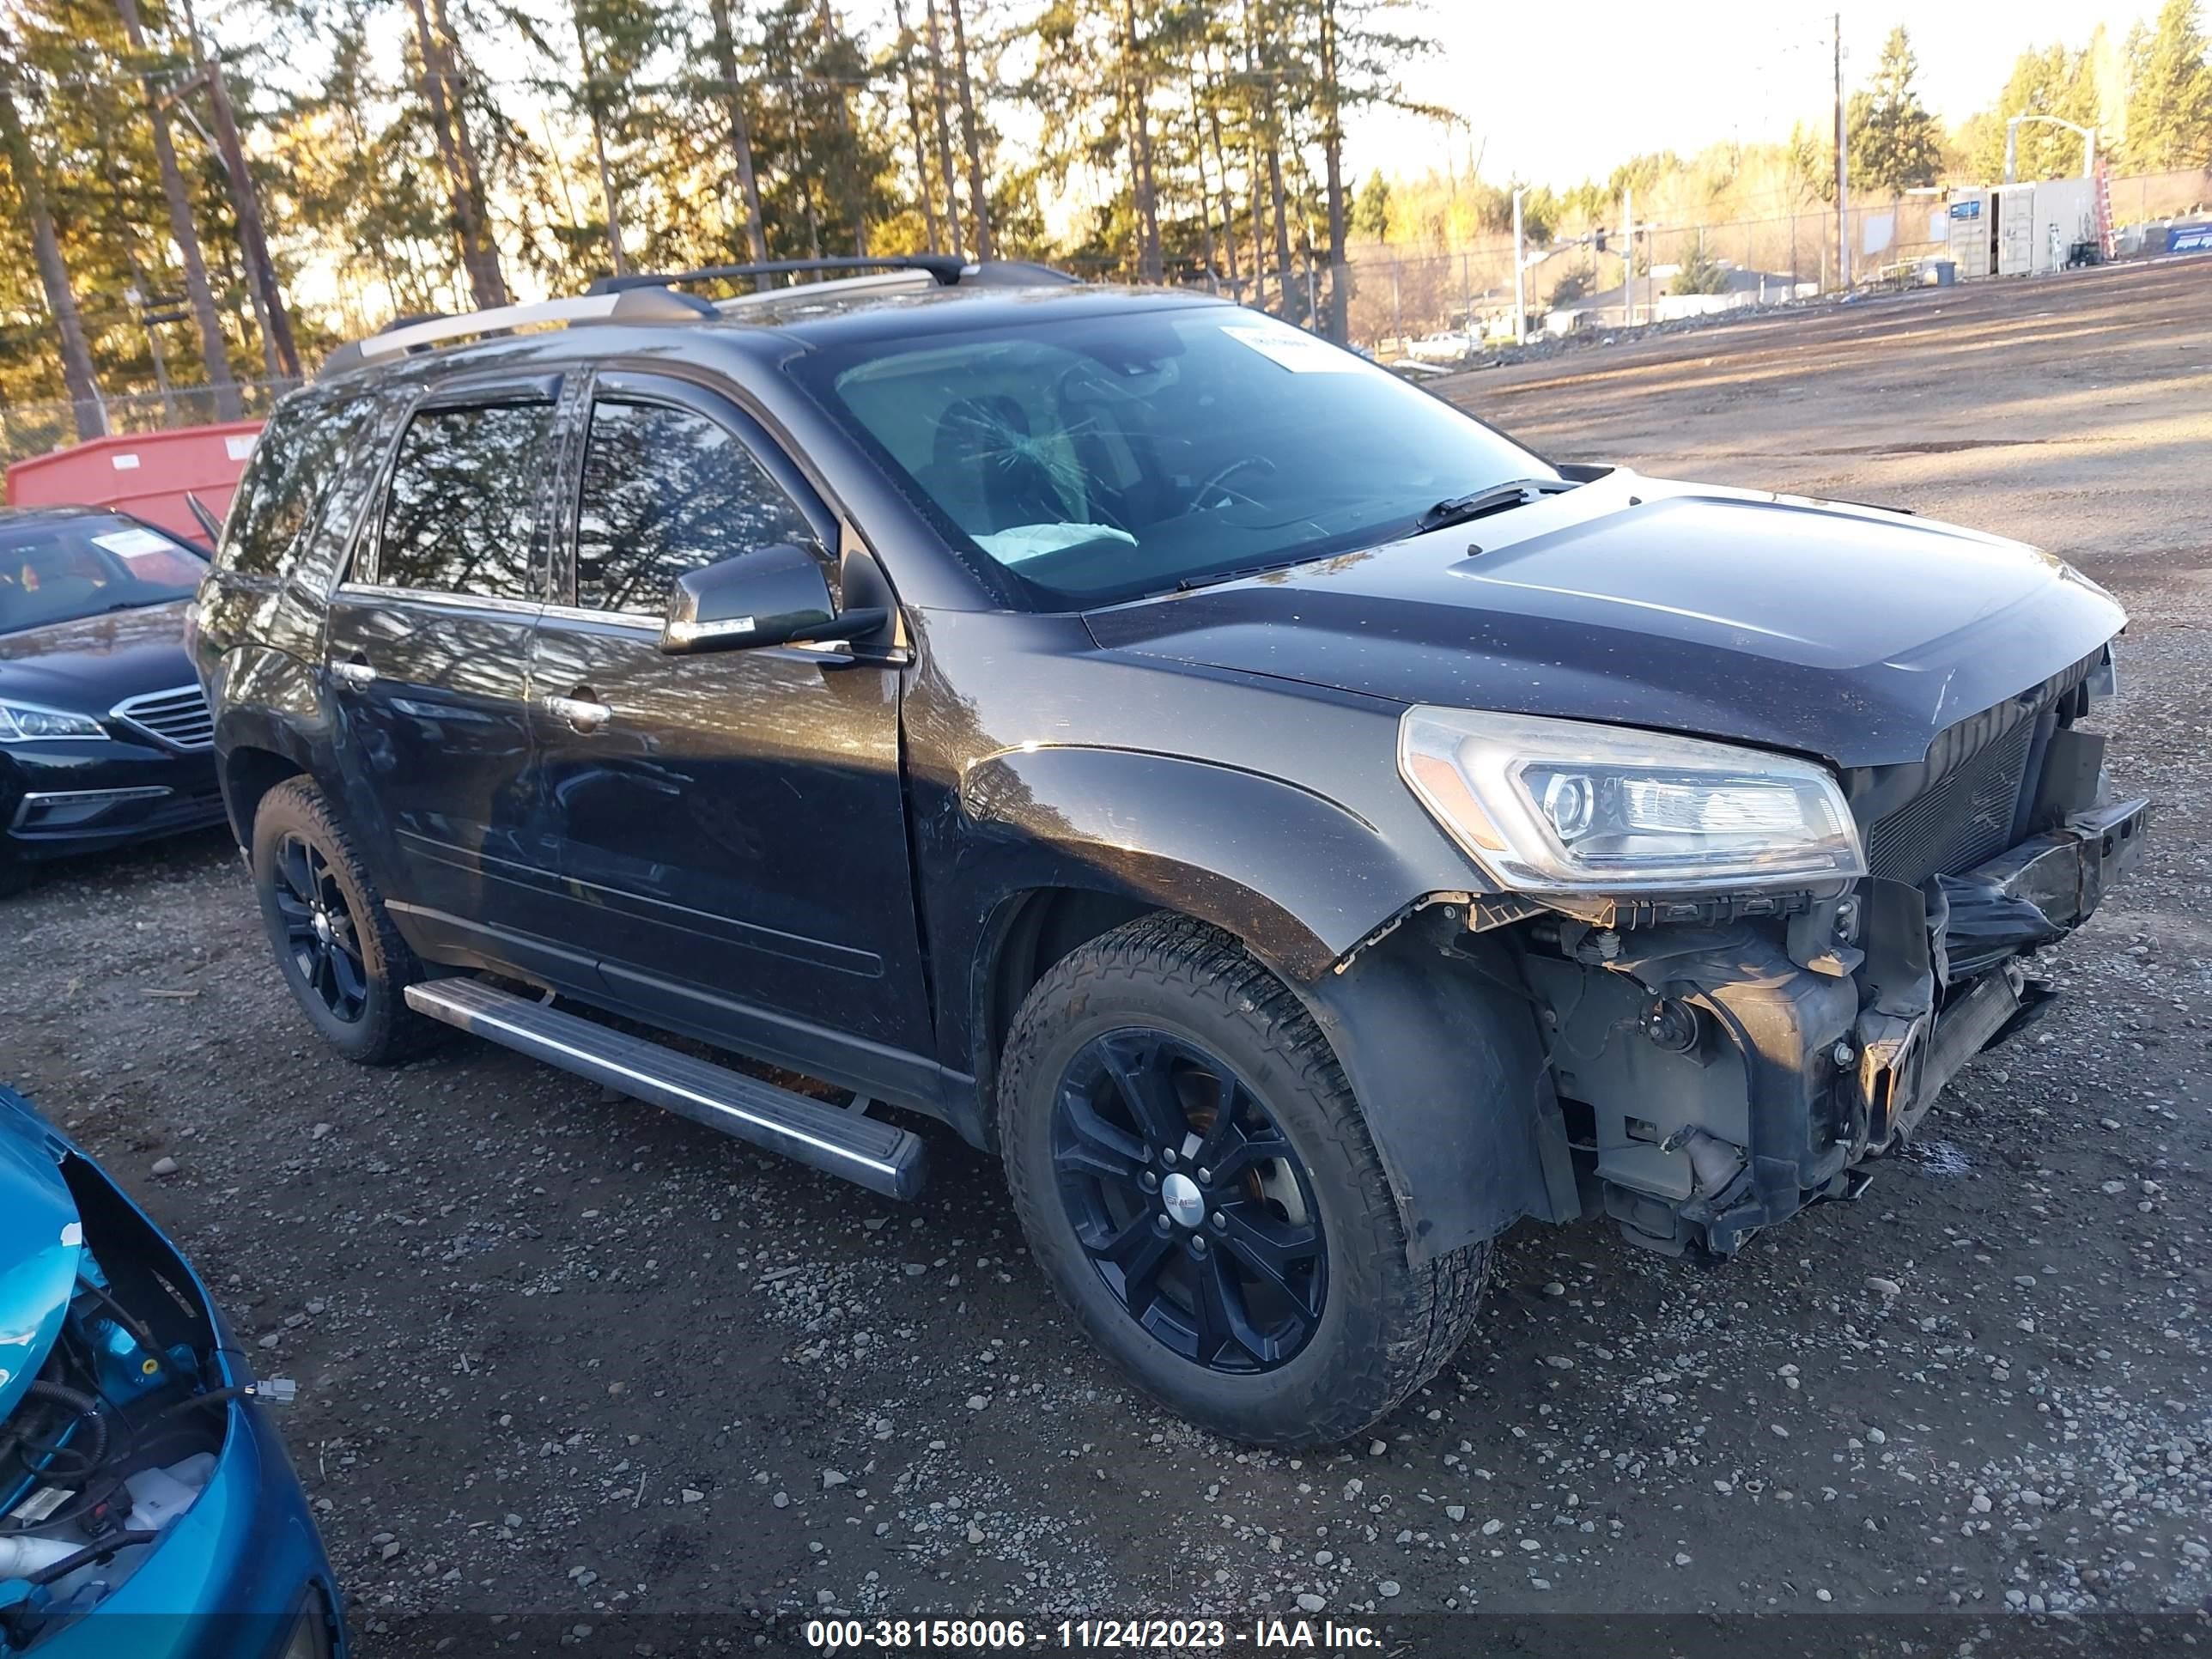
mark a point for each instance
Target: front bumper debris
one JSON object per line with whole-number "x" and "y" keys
{"x": 1980, "y": 926}
{"x": 1716, "y": 1080}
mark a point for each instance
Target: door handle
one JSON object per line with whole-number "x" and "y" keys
{"x": 352, "y": 673}
{"x": 581, "y": 714}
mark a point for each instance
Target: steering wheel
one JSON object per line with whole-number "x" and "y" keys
{"x": 1221, "y": 476}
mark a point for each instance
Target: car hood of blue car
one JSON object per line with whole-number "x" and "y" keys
{"x": 41, "y": 1244}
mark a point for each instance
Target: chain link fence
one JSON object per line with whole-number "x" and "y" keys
{"x": 34, "y": 428}
{"x": 1425, "y": 302}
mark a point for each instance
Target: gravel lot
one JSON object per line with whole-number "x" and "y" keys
{"x": 561, "y": 1355}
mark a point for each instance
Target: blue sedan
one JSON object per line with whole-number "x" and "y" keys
{"x": 147, "y": 1506}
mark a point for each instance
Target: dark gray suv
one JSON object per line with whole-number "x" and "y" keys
{"x": 1299, "y": 830}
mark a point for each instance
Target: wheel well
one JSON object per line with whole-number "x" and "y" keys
{"x": 1037, "y": 931}
{"x": 248, "y": 775}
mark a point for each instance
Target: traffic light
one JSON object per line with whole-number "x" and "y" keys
{"x": 1597, "y": 239}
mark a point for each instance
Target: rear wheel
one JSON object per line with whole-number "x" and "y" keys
{"x": 343, "y": 960}
{"x": 1197, "y": 1179}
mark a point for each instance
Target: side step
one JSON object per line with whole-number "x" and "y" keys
{"x": 879, "y": 1155}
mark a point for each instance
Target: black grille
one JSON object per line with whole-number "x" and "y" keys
{"x": 1964, "y": 819}
{"x": 177, "y": 718}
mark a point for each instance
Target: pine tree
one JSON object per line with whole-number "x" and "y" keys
{"x": 2169, "y": 101}
{"x": 1370, "y": 212}
{"x": 1893, "y": 142}
{"x": 29, "y": 173}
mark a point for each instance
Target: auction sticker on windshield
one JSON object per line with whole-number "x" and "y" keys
{"x": 1298, "y": 352}
{"x": 135, "y": 543}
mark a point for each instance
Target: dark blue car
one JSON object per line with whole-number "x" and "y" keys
{"x": 147, "y": 1507}
{"x": 104, "y": 737}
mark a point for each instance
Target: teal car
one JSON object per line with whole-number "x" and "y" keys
{"x": 147, "y": 1507}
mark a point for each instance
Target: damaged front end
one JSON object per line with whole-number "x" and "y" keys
{"x": 137, "y": 1491}
{"x": 1721, "y": 1059}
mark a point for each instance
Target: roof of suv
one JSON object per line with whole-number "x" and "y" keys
{"x": 899, "y": 303}
{"x": 918, "y": 312}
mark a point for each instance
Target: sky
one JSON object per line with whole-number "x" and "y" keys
{"x": 1552, "y": 96}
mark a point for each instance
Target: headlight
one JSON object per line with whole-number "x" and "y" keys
{"x": 23, "y": 722}
{"x": 1547, "y": 806}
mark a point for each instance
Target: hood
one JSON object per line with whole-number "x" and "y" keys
{"x": 42, "y": 1242}
{"x": 1844, "y": 632}
{"x": 91, "y": 665}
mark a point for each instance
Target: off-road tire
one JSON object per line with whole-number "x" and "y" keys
{"x": 388, "y": 1030}
{"x": 1387, "y": 1325}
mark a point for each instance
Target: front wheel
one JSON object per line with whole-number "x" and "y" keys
{"x": 1197, "y": 1179}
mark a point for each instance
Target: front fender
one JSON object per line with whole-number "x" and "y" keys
{"x": 1442, "y": 1055}
{"x": 1298, "y": 879}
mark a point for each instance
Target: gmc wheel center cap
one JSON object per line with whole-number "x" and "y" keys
{"x": 1184, "y": 1202}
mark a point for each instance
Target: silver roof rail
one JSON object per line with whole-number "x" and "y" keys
{"x": 893, "y": 280}
{"x": 639, "y": 305}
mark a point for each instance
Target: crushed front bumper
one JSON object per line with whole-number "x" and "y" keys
{"x": 1980, "y": 928}
{"x": 1719, "y": 1078}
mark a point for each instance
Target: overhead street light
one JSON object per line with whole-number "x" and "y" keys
{"x": 2088, "y": 142}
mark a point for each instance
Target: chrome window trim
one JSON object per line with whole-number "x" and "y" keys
{"x": 644, "y": 620}
{"x": 439, "y": 596}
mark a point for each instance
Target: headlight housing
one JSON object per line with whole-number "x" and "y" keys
{"x": 25, "y": 722}
{"x": 1549, "y": 805}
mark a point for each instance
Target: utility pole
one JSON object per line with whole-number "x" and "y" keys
{"x": 1842, "y": 173}
{"x": 1627, "y": 256}
{"x": 1520, "y": 302}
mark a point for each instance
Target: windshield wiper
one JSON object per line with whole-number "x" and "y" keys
{"x": 1215, "y": 578}
{"x": 1497, "y": 498}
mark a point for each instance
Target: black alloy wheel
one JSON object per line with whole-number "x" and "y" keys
{"x": 320, "y": 930}
{"x": 1156, "y": 1077}
{"x": 1189, "y": 1202}
{"x": 336, "y": 944}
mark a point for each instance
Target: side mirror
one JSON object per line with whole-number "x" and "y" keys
{"x": 775, "y": 595}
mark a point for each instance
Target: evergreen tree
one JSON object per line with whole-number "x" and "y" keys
{"x": 1370, "y": 212}
{"x": 2170, "y": 99}
{"x": 1893, "y": 142}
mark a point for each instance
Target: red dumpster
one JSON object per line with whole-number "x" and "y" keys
{"x": 148, "y": 474}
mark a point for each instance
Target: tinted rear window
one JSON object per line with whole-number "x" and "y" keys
{"x": 298, "y": 460}
{"x": 459, "y": 514}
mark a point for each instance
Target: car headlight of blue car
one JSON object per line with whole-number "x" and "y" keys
{"x": 146, "y": 1505}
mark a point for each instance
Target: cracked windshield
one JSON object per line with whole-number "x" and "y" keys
{"x": 1113, "y": 456}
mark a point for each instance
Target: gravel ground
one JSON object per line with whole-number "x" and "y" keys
{"x": 564, "y": 1356}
